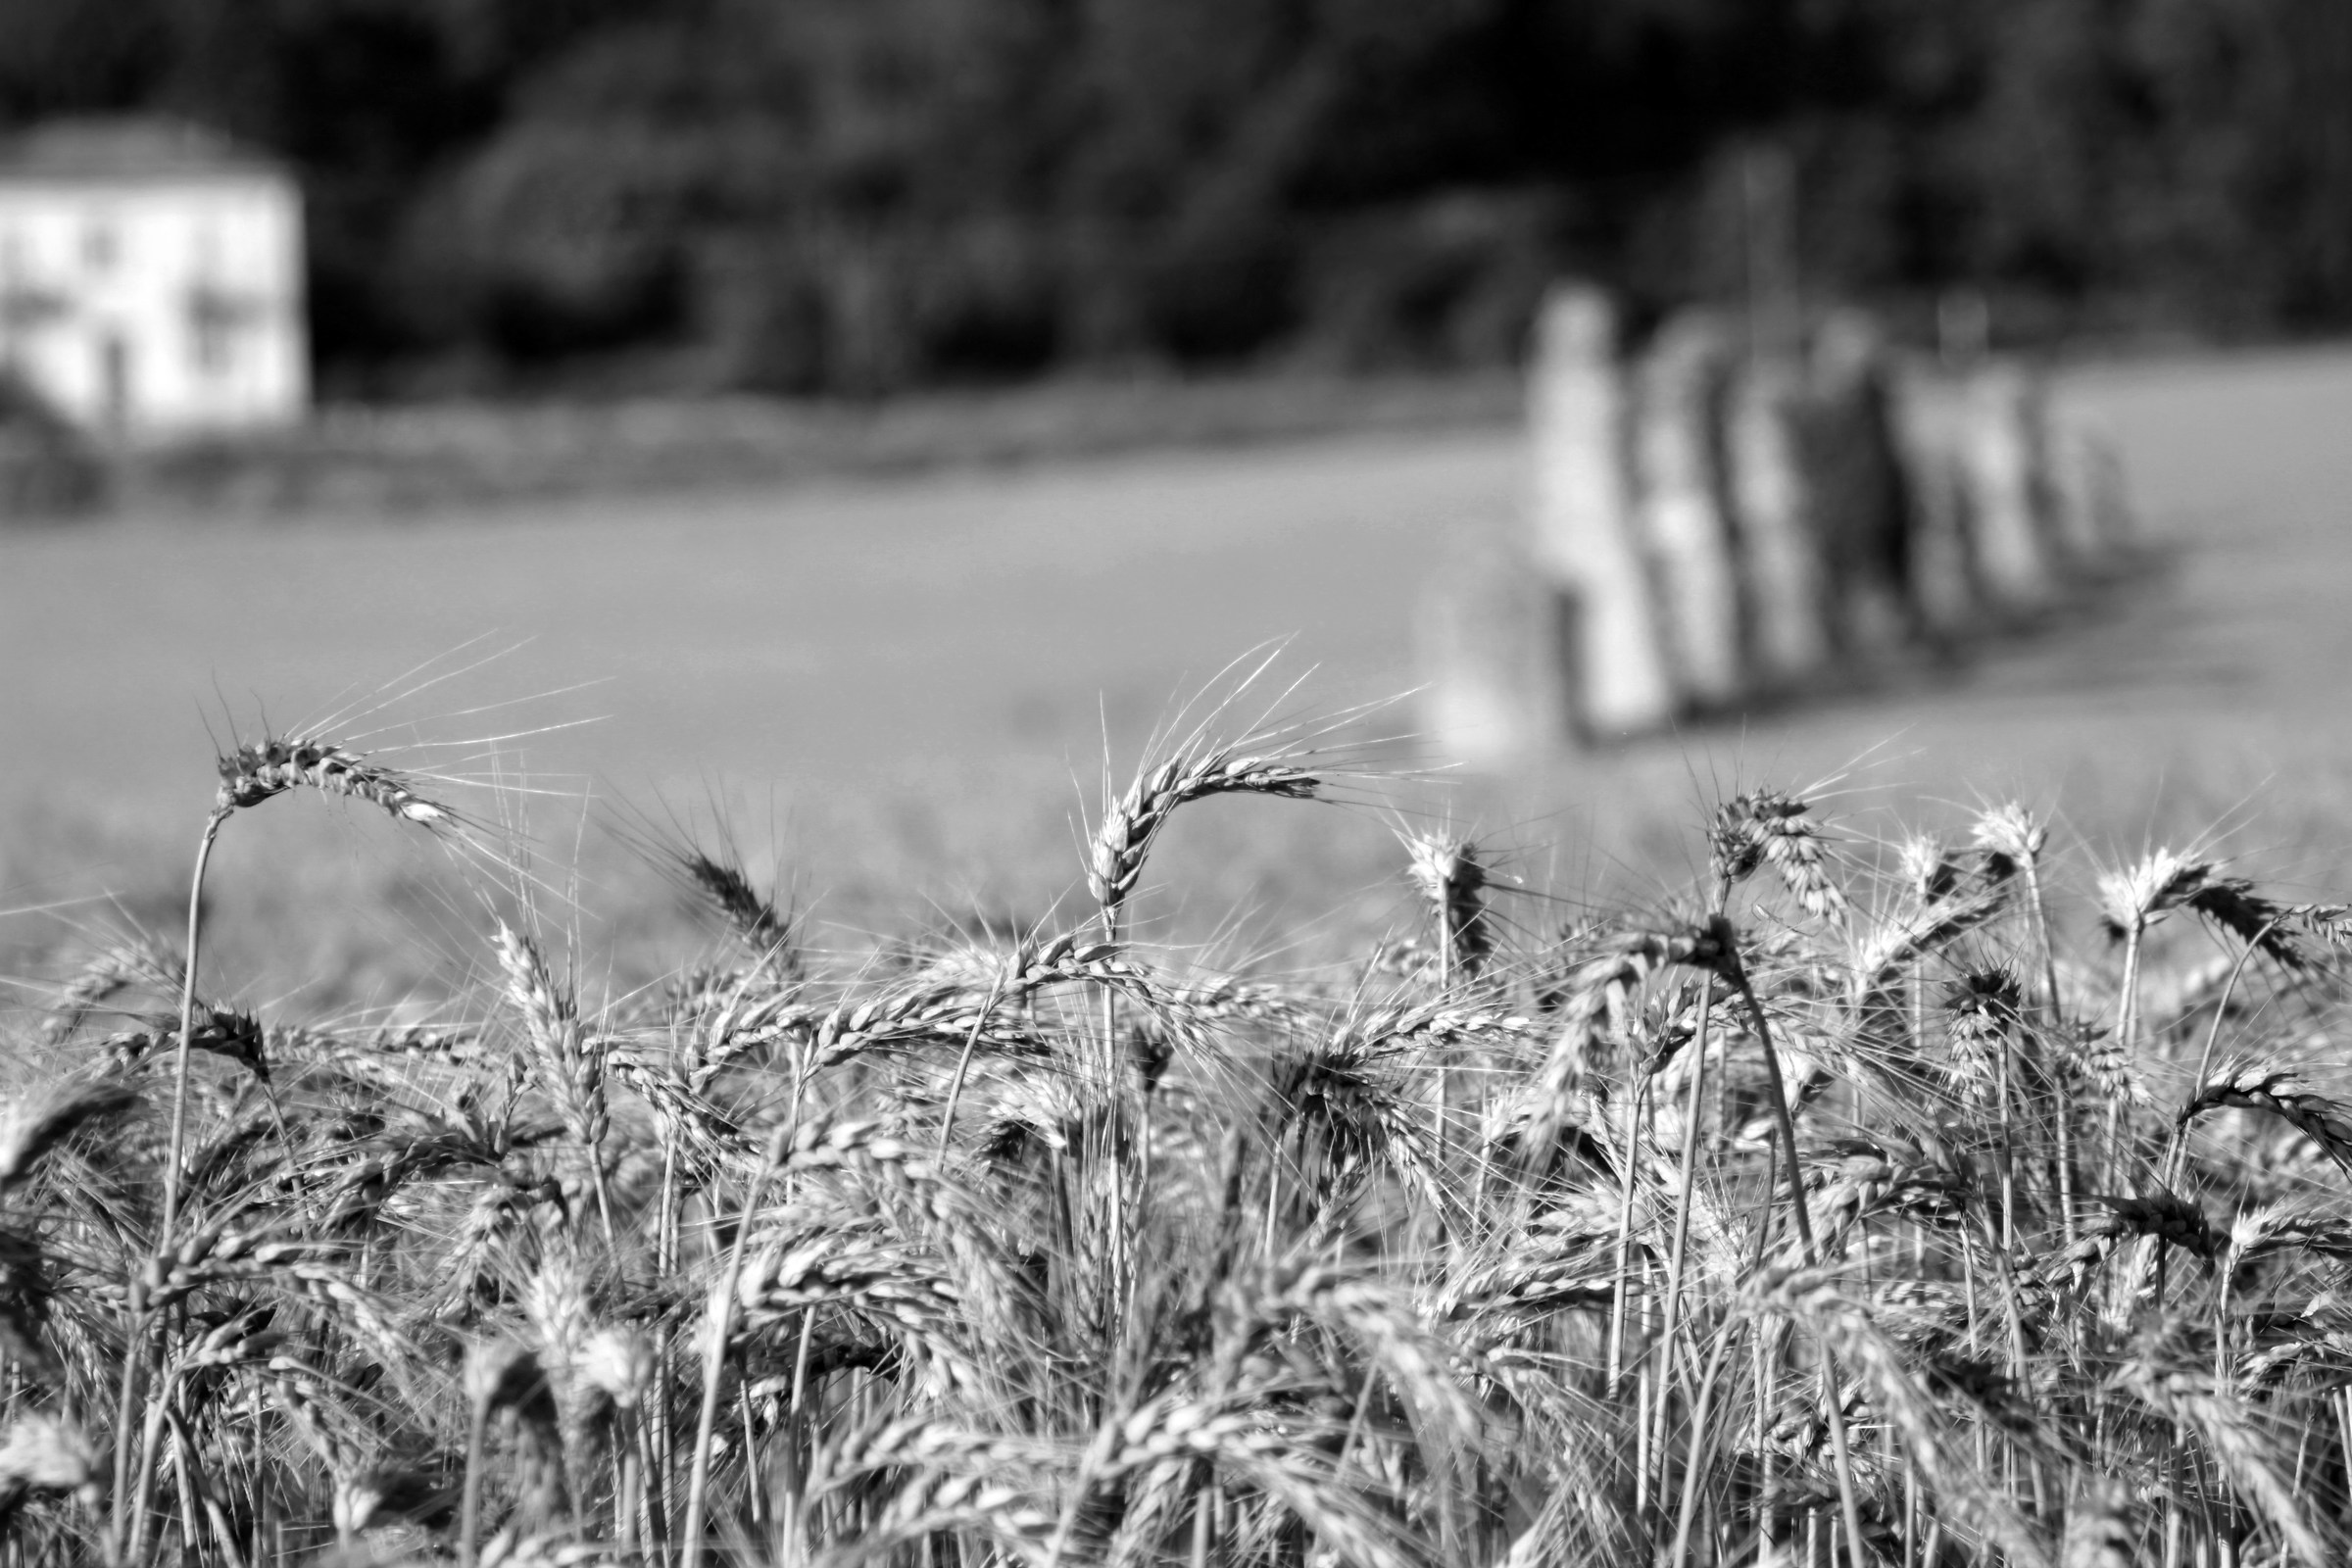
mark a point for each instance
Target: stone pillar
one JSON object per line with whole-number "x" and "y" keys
{"x": 2002, "y": 459}
{"x": 1765, "y": 482}
{"x": 1930, "y": 413}
{"x": 1862, "y": 504}
{"x": 1495, "y": 660}
{"x": 1583, "y": 534}
{"x": 1677, "y": 445}
{"x": 2089, "y": 514}
{"x": 1943, "y": 580}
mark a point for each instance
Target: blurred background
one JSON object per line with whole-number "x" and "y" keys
{"x": 857, "y": 197}
{"x": 859, "y": 417}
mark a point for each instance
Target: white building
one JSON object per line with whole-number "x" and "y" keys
{"x": 151, "y": 279}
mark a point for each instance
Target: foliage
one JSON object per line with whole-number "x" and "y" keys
{"x": 858, "y": 195}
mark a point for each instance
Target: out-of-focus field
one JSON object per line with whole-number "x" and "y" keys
{"x": 911, "y": 674}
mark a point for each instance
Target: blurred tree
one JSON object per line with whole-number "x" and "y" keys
{"x": 859, "y": 195}
{"x": 67, "y": 56}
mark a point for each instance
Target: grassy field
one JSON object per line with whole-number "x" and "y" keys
{"x": 1687, "y": 1173}
{"x": 903, "y": 679}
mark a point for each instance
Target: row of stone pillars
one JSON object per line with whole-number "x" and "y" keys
{"x": 1715, "y": 525}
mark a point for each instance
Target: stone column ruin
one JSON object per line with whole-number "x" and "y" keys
{"x": 1493, "y": 638}
{"x": 1707, "y": 526}
{"x": 1787, "y": 594}
{"x": 2002, "y": 458}
{"x": 1858, "y": 489}
{"x": 2090, "y": 516}
{"x": 1945, "y": 584}
{"x": 1679, "y": 507}
{"x": 1583, "y": 538}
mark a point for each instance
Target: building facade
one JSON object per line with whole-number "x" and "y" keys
{"x": 151, "y": 280}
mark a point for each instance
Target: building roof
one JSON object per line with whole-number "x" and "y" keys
{"x": 128, "y": 151}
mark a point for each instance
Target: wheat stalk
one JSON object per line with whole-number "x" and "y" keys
{"x": 569, "y": 1059}
{"x": 1131, "y": 824}
{"x": 1212, "y": 1284}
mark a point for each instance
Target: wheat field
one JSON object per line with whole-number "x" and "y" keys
{"x": 1872, "y": 1197}
{"x": 1712, "y": 1153}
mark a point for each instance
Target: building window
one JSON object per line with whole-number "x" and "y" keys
{"x": 113, "y": 380}
{"x": 216, "y": 320}
{"x": 101, "y": 246}
{"x": 216, "y": 350}
{"x": 25, "y": 307}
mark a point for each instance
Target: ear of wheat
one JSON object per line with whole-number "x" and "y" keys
{"x": 1131, "y": 824}
{"x": 1764, "y": 827}
{"x": 1449, "y": 877}
{"x": 1839, "y": 1226}
{"x": 263, "y": 769}
{"x": 41, "y": 1117}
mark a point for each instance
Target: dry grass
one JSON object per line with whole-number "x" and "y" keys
{"x": 1860, "y": 1202}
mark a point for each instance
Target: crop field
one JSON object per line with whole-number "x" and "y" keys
{"x": 824, "y": 1111}
{"x": 901, "y": 689}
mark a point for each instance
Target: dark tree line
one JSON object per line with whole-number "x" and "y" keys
{"x": 853, "y": 195}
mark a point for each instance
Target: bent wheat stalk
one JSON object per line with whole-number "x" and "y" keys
{"x": 1722, "y": 946}
{"x": 720, "y": 1326}
{"x": 134, "y": 1303}
{"x": 249, "y": 775}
